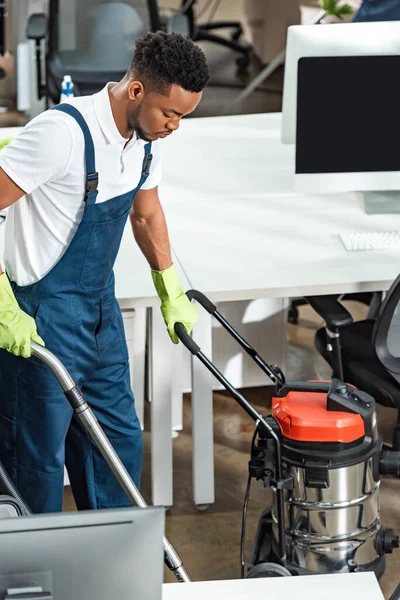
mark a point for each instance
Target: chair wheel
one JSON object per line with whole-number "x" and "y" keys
{"x": 243, "y": 62}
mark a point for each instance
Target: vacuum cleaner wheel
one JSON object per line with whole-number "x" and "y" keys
{"x": 268, "y": 570}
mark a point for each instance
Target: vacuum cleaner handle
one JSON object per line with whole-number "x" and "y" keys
{"x": 273, "y": 372}
{"x": 186, "y": 339}
{"x": 90, "y": 422}
{"x": 203, "y": 300}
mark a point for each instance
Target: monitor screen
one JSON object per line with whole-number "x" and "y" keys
{"x": 348, "y": 114}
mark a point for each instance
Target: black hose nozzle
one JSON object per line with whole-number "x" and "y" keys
{"x": 390, "y": 463}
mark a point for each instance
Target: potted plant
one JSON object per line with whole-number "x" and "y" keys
{"x": 335, "y": 8}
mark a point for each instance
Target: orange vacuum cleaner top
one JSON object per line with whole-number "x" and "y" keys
{"x": 303, "y": 416}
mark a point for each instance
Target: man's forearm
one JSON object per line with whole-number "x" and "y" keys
{"x": 151, "y": 236}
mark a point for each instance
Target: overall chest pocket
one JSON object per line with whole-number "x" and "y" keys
{"x": 104, "y": 242}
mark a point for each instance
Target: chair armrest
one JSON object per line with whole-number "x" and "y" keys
{"x": 37, "y": 27}
{"x": 329, "y": 308}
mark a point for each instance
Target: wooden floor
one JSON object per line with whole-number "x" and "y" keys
{"x": 209, "y": 541}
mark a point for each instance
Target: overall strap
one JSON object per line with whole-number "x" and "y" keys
{"x": 92, "y": 177}
{"x": 148, "y": 157}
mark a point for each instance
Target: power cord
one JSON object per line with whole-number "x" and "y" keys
{"x": 244, "y": 512}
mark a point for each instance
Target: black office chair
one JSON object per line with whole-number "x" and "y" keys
{"x": 371, "y": 299}
{"x": 201, "y": 32}
{"x": 91, "y": 41}
{"x": 364, "y": 353}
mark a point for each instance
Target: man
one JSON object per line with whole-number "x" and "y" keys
{"x": 70, "y": 180}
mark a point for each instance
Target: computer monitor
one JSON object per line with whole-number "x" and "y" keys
{"x": 348, "y": 123}
{"x": 90, "y": 555}
{"x": 339, "y": 39}
{"x": 340, "y": 106}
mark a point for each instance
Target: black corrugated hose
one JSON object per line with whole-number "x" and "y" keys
{"x": 7, "y": 487}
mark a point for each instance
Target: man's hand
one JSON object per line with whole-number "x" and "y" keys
{"x": 17, "y": 329}
{"x": 175, "y": 305}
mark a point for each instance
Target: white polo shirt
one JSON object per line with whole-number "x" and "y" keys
{"x": 47, "y": 161}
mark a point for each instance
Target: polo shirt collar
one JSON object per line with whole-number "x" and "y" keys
{"x": 104, "y": 115}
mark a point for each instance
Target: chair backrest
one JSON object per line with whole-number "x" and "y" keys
{"x": 386, "y": 334}
{"x": 97, "y": 35}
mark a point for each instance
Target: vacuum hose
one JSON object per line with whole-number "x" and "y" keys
{"x": 8, "y": 488}
{"x": 91, "y": 424}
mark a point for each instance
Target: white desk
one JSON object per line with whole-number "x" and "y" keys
{"x": 242, "y": 233}
{"x": 357, "y": 586}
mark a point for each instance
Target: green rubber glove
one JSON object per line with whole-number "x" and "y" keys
{"x": 175, "y": 305}
{"x": 17, "y": 329}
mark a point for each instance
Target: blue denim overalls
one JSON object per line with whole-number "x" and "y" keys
{"x": 78, "y": 317}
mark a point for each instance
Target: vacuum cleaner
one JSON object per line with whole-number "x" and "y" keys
{"x": 322, "y": 456}
{"x": 319, "y": 452}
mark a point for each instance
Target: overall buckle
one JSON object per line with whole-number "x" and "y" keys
{"x": 147, "y": 164}
{"x": 92, "y": 181}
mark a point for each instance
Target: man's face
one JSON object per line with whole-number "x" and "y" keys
{"x": 153, "y": 116}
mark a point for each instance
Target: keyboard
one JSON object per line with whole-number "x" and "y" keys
{"x": 371, "y": 240}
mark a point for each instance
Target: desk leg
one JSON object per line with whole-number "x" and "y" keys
{"x": 161, "y": 360}
{"x": 139, "y": 361}
{"x": 177, "y": 386}
{"x": 202, "y": 416}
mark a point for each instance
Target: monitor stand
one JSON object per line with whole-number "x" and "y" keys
{"x": 382, "y": 203}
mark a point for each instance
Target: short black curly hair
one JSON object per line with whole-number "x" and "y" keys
{"x": 161, "y": 60}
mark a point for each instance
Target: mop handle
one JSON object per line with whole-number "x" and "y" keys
{"x": 90, "y": 422}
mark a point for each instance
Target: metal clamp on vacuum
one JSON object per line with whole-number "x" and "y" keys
{"x": 321, "y": 454}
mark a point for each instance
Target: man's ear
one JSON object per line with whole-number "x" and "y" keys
{"x": 135, "y": 90}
